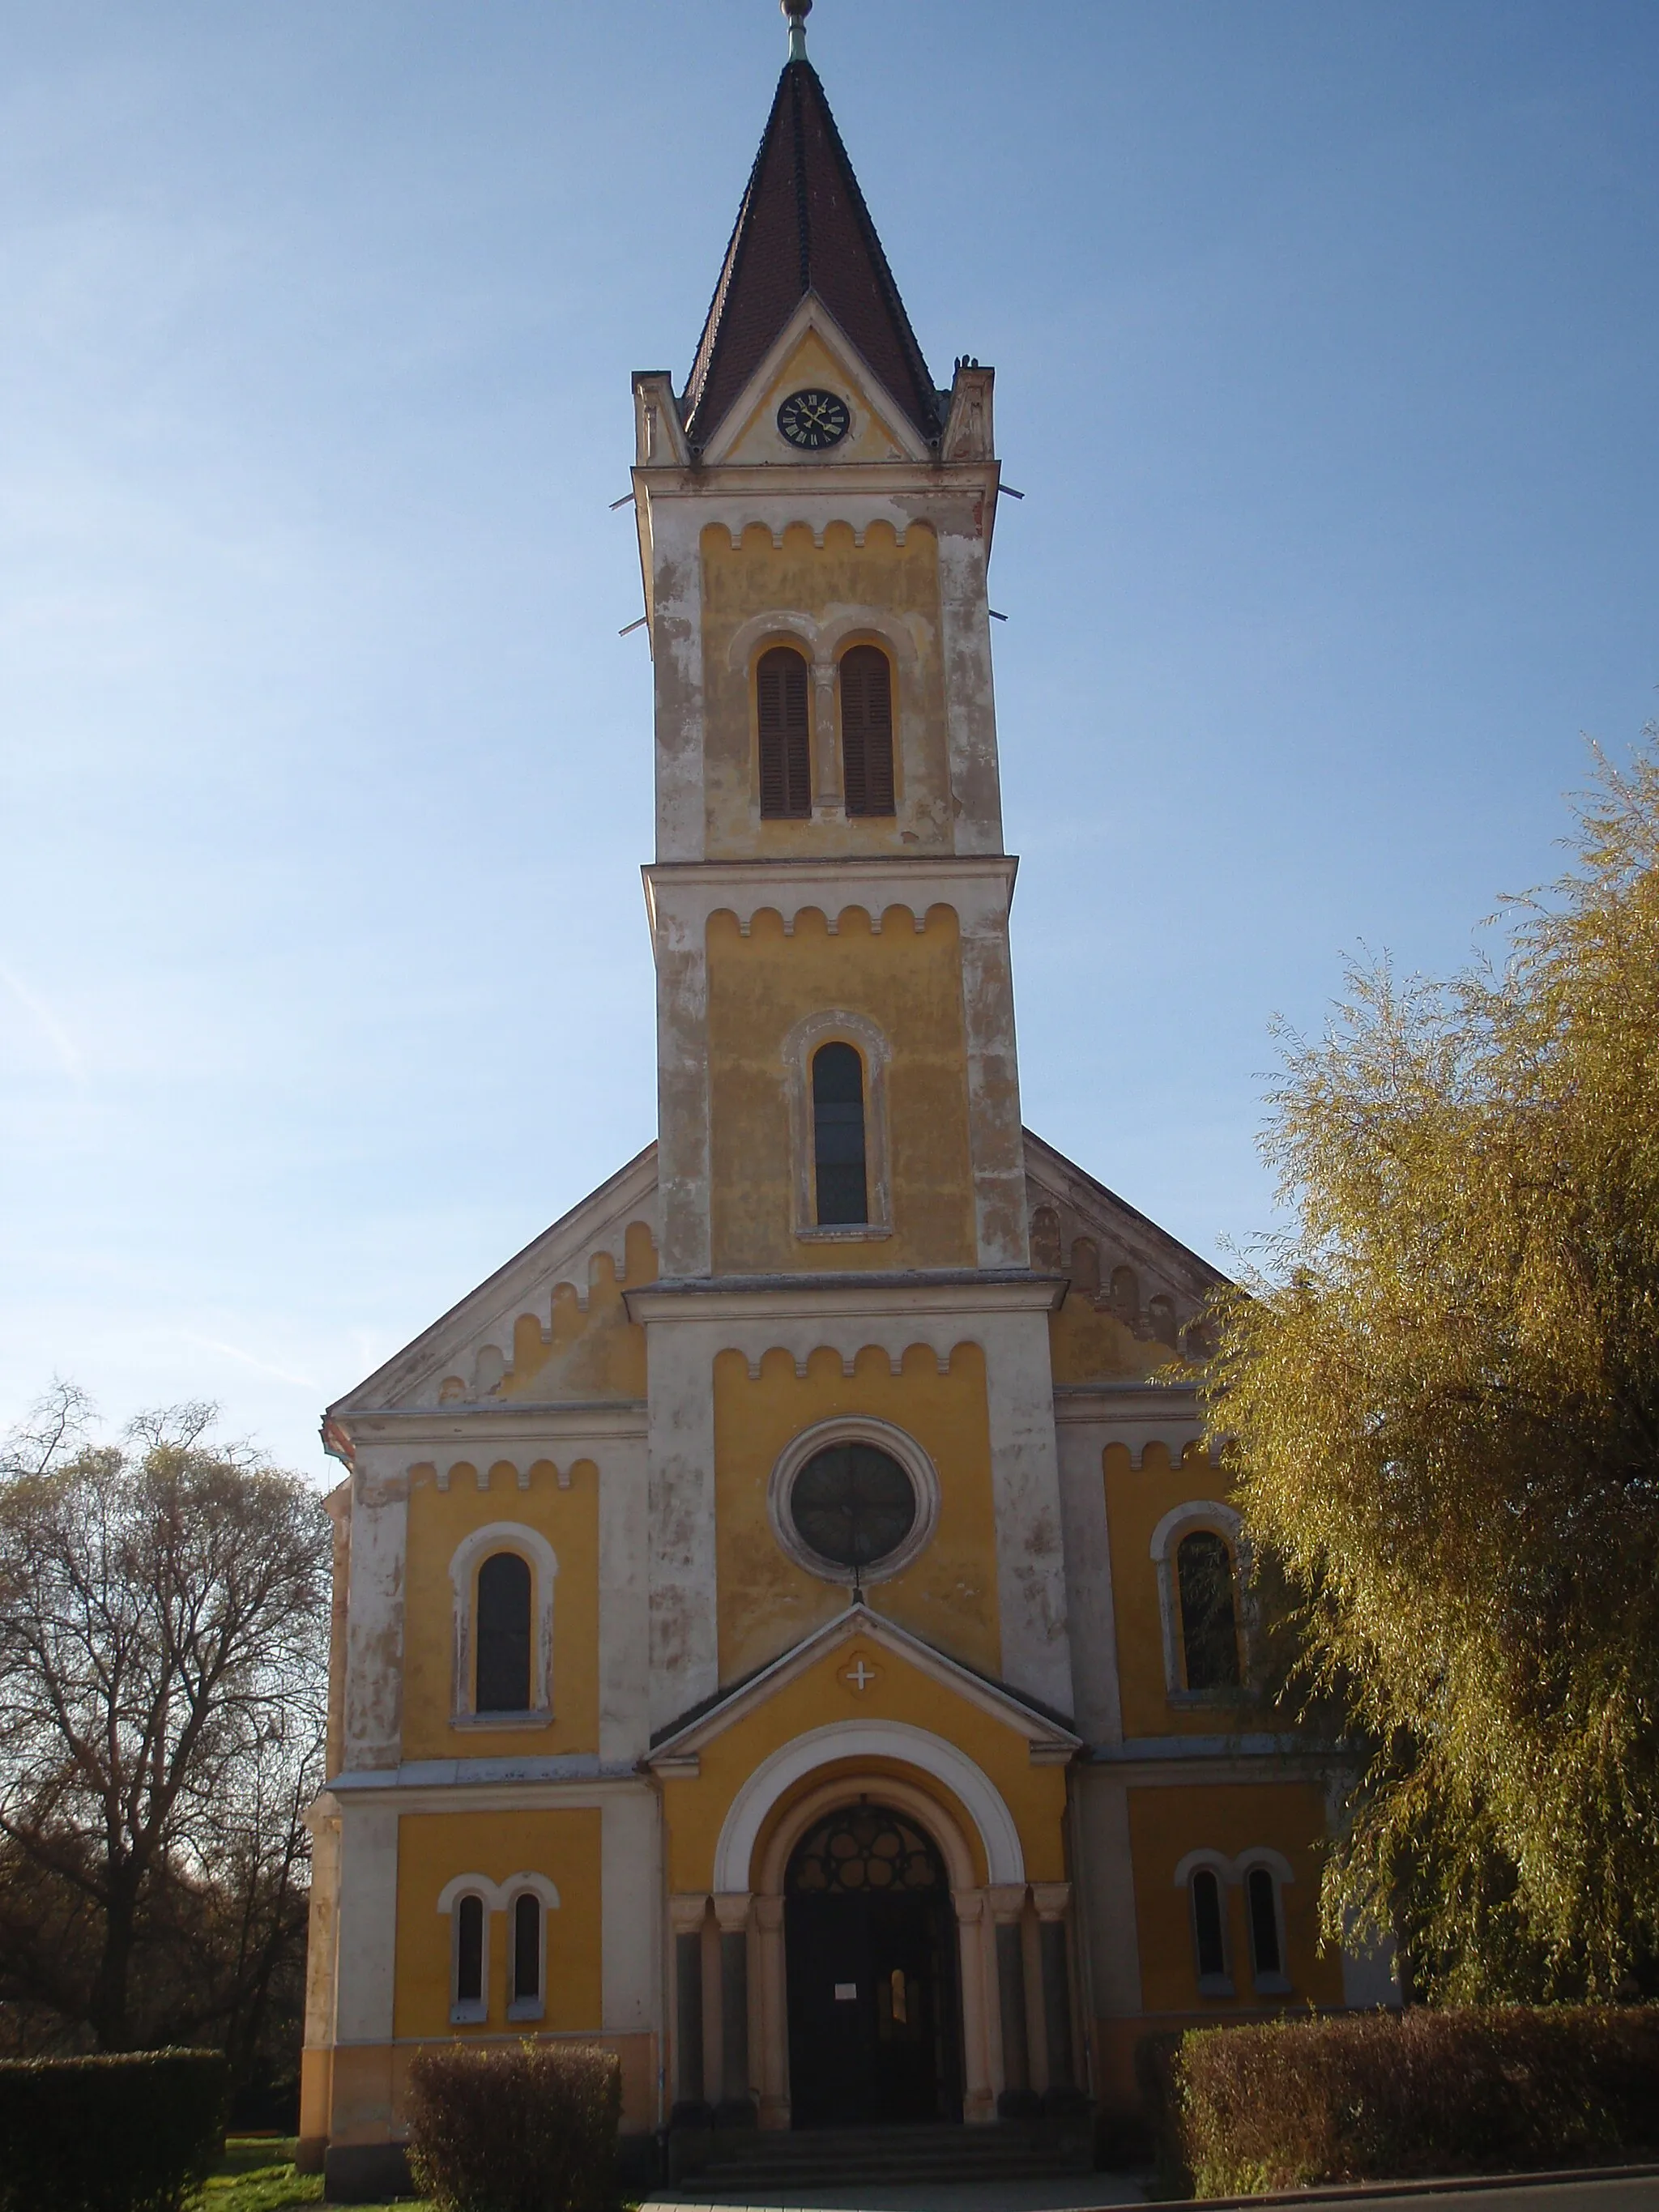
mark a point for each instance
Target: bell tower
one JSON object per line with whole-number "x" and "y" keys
{"x": 829, "y": 902}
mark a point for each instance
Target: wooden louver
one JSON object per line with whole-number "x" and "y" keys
{"x": 866, "y": 731}
{"x": 786, "y": 744}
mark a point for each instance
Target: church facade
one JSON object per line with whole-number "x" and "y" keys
{"x": 783, "y": 1630}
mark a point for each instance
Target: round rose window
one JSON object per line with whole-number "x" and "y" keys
{"x": 852, "y": 1504}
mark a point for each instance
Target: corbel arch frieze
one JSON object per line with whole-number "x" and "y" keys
{"x": 860, "y": 516}
{"x": 812, "y": 900}
{"x": 487, "y": 1470}
{"x": 1178, "y": 1440}
{"x": 799, "y": 1340}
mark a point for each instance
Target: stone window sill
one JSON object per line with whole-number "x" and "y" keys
{"x": 533, "y": 2008}
{"x": 1272, "y": 1986}
{"x": 541, "y": 1718}
{"x": 846, "y": 1232}
{"x": 468, "y": 2015}
{"x": 1216, "y": 1986}
{"x": 1211, "y": 1700}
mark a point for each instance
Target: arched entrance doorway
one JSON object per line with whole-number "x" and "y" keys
{"x": 869, "y": 1954}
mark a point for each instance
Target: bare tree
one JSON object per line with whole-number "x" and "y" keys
{"x": 163, "y": 1628}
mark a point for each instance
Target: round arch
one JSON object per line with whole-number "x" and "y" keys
{"x": 938, "y": 1820}
{"x": 896, "y": 1740}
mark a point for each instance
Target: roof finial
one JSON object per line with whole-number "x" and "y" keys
{"x": 797, "y": 11}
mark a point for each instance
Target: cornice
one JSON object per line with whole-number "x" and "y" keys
{"x": 781, "y": 1297}
{"x": 524, "y": 1421}
{"x": 787, "y": 480}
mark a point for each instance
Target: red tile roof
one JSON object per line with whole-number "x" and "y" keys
{"x": 803, "y": 227}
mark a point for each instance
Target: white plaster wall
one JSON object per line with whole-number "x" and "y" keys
{"x": 1000, "y": 1218}
{"x": 375, "y": 1620}
{"x": 368, "y": 1925}
{"x": 624, "y": 1601}
{"x": 677, "y": 669}
{"x": 970, "y": 704}
{"x": 1106, "y": 1887}
{"x": 1026, "y": 1489}
{"x": 684, "y": 1652}
{"x": 630, "y": 1891}
{"x": 1088, "y": 1601}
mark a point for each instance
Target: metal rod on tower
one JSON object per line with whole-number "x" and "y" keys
{"x": 797, "y": 11}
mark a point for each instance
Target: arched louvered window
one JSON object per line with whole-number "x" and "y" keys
{"x": 786, "y": 742}
{"x": 1209, "y": 1621}
{"x": 838, "y": 1135}
{"x": 1209, "y": 1930}
{"x": 867, "y": 730}
{"x": 469, "y": 1957}
{"x": 503, "y": 1641}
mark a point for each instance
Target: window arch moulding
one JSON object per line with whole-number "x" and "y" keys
{"x": 1184, "y": 1520}
{"x": 1270, "y": 1977}
{"x": 469, "y": 1982}
{"x": 836, "y": 1026}
{"x": 533, "y": 1548}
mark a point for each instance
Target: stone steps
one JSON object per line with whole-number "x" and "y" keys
{"x": 806, "y": 2159}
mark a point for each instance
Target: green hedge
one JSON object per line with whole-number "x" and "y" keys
{"x": 133, "y": 2133}
{"x": 1388, "y": 2096}
{"x": 527, "y": 2128}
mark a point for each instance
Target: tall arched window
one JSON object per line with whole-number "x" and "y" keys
{"x": 867, "y": 730}
{"x": 525, "y": 2001}
{"x": 503, "y": 1640}
{"x": 785, "y": 740}
{"x": 1209, "y": 1622}
{"x": 1266, "y": 1952}
{"x": 838, "y": 1135}
{"x": 468, "y": 2001}
{"x": 1210, "y": 1932}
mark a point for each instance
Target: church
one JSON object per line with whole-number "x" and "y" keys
{"x": 787, "y": 1626}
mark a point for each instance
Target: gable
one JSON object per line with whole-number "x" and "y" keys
{"x": 808, "y": 362}
{"x": 1136, "y": 1293}
{"x": 550, "y": 1325}
{"x": 811, "y": 351}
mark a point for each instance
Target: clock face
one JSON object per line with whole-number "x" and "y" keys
{"x": 813, "y": 420}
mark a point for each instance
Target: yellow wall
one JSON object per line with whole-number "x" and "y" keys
{"x": 433, "y": 1848}
{"x": 827, "y": 583}
{"x": 1088, "y": 1343}
{"x": 438, "y": 1523}
{"x": 1164, "y": 1825}
{"x": 948, "y": 1595}
{"x": 1137, "y": 1499}
{"x": 910, "y": 986}
{"x": 695, "y": 1807}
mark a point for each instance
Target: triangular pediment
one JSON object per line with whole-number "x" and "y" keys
{"x": 859, "y": 1629}
{"x": 811, "y": 352}
{"x": 605, "y": 1241}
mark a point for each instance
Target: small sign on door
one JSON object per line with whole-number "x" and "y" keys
{"x": 846, "y": 1992}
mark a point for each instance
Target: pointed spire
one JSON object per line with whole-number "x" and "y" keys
{"x": 803, "y": 227}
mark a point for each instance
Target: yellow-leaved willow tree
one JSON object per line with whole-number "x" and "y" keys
{"x": 1441, "y": 1400}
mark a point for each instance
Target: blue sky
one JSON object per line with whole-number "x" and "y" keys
{"x": 1326, "y": 349}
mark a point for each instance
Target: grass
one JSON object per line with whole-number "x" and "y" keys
{"x": 256, "y": 2174}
